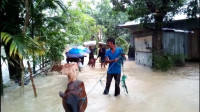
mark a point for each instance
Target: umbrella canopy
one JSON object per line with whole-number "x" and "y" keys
{"x": 103, "y": 43}
{"x": 89, "y": 43}
{"x": 77, "y": 52}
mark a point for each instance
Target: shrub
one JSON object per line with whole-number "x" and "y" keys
{"x": 165, "y": 60}
{"x": 178, "y": 59}
{"x": 162, "y": 61}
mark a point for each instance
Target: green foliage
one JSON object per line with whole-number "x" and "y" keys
{"x": 178, "y": 59}
{"x": 162, "y": 61}
{"x": 51, "y": 26}
{"x": 71, "y": 26}
{"x": 55, "y": 45}
{"x": 105, "y": 16}
{"x": 5, "y": 37}
{"x": 143, "y": 8}
{"x": 21, "y": 45}
{"x": 3, "y": 4}
{"x": 149, "y": 11}
{"x": 80, "y": 27}
{"x": 192, "y": 10}
{"x": 121, "y": 42}
{"x": 11, "y": 16}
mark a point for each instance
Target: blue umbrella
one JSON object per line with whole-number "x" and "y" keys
{"x": 77, "y": 52}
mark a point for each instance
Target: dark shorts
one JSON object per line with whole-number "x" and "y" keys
{"x": 102, "y": 60}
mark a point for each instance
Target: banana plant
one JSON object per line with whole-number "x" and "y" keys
{"x": 122, "y": 43}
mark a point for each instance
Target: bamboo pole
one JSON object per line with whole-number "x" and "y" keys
{"x": 42, "y": 61}
{"x": 31, "y": 78}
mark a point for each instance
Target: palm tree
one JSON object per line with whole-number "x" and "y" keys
{"x": 23, "y": 47}
{"x": 19, "y": 46}
{"x": 12, "y": 20}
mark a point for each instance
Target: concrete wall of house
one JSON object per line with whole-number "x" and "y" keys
{"x": 143, "y": 58}
{"x": 143, "y": 43}
{"x": 143, "y": 55}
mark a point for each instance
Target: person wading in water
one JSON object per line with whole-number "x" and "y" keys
{"x": 101, "y": 54}
{"x": 114, "y": 70}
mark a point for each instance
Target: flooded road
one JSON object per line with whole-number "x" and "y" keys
{"x": 149, "y": 91}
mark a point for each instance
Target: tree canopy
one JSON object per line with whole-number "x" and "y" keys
{"x": 105, "y": 16}
{"x": 155, "y": 11}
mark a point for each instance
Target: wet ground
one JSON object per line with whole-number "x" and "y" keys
{"x": 149, "y": 91}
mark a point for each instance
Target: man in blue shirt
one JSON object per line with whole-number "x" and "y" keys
{"x": 114, "y": 70}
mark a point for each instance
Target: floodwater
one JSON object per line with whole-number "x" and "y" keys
{"x": 149, "y": 91}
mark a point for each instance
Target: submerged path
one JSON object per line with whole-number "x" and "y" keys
{"x": 149, "y": 91}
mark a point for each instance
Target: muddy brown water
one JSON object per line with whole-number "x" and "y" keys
{"x": 149, "y": 91}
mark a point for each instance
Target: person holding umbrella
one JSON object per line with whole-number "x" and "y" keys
{"x": 76, "y": 54}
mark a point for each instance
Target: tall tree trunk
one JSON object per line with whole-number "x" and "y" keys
{"x": 26, "y": 23}
{"x": 157, "y": 36}
{"x": 22, "y": 76}
{"x": 32, "y": 35}
{"x": 157, "y": 44}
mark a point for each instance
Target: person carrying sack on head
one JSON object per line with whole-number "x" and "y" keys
{"x": 114, "y": 70}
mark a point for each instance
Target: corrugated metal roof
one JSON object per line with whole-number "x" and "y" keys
{"x": 177, "y": 30}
